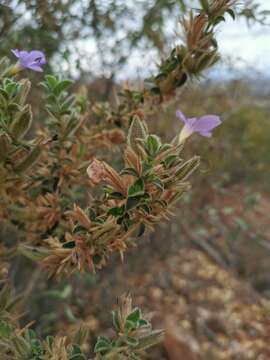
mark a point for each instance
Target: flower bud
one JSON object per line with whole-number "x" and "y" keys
{"x": 96, "y": 171}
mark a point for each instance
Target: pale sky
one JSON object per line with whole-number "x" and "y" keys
{"x": 250, "y": 44}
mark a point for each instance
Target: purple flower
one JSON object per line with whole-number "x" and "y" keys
{"x": 203, "y": 125}
{"x": 33, "y": 60}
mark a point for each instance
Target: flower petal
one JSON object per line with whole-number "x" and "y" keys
{"x": 186, "y": 131}
{"x": 206, "y": 133}
{"x": 192, "y": 122}
{"x": 35, "y": 67}
{"x": 206, "y": 123}
{"x": 181, "y": 116}
{"x": 16, "y": 52}
{"x": 37, "y": 57}
{"x": 22, "y": 55}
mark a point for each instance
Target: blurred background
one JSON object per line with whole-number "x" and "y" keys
{"x": 204, "y": 276}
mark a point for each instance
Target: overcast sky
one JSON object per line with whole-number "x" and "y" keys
{"x": 251, "y": 44}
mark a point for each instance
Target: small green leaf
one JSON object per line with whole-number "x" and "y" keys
{"x": 23, "y": 91}
{"x": 231, "y": 13}
{"x": 5, "y": 329}
{"x": 69, "y": 245}
{"x": 116, "y": 211}
{"x": 153, "y": 144}
{"x": 76, "y": 350}
{"x": 78, "y": 229}
{"x": 49, "y": 340}
{"x": 145, "y": 208}
{"x": 186, "y": 169}
{"x": 11, "y": 88}
{"x": 61, "y": 86}
{"x": 143, "y": 322}
{"x": 147, "y": 167}
{"x": 5, "y": 296}
{"x": 130, "y": 326}
{"x": 37, "y": 348}
{"x": 169, "y": 161}
{"x": 219, "y": 19}
{"x": 126, "y": 223}
{"x": 132, "y": 341}
{"x": 132, "y": 202}
{"x": 150, "y": 339}
{"x": 135, "y": 315}
{"x": 116, "y": 195}
{"x": 13, "y": 107}
{"x": 22, "y": 122}
{"x": 77, "y": 353}
{"x": 158, "y": 183}
{"x": 115, "y": 319}
{"x": 129, "y": 171}
{"x": 31, "y": 334}
{"x": 51, "y": 81}
{"x": 136, "y": 189}
{"x": 181, "y": 80}
{"x": 103, "y": 345}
